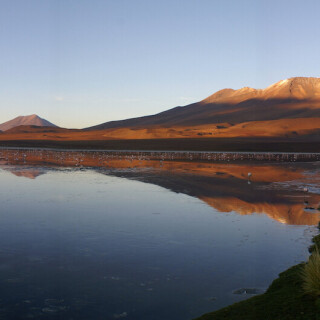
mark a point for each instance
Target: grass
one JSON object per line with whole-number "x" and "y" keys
{"x": 311, "y": 274}
{"x": 316, "y": 242}
{"x": 292, "y": 296}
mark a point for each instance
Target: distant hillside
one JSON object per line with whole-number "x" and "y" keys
{"x": 282, "y": 117}
{"x": 36, "y": 129}
{"x": 32, "y": 120}
{"x": 293, "y": 98}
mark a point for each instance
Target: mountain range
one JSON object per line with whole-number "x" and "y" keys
{"x": 288, "y": 109}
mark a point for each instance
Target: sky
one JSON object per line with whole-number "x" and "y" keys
{"x": 78, "y": 63}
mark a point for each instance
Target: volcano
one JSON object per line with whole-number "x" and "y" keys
{"x": 32, "y": 120}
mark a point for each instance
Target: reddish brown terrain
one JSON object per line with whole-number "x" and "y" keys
{"x": 286, "y": 112}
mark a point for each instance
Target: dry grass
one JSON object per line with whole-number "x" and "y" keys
{"x": 311, "y": 274}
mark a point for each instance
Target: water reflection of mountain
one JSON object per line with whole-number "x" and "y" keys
{"x": 274, "y": 189}
{"x": 225, "y": 187}
{"x": 25, "y": 172}
{"x": 28, "y": 173}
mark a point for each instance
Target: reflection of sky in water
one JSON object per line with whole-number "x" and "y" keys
{"x": 89, "y": 246}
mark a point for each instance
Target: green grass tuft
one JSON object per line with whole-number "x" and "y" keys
{"x": 311, "y": 274}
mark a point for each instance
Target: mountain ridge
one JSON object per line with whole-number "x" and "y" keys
{"x": 297, "y": 97}
{"x": 291, "y": 87}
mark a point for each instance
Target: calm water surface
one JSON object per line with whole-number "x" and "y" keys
{"x": 143, "y": 245}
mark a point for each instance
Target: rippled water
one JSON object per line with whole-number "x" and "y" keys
{"x": 146, "y": 243}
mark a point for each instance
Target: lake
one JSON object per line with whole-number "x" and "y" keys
{"x": 143, "y": 239}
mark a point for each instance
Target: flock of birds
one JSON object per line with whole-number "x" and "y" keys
{"x": 18, "y": 155}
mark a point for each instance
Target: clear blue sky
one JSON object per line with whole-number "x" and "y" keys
{"x": 79, "y": 63}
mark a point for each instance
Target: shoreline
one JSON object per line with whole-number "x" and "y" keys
{"x": 23, "y": 153}
{"x": 176, "y": 144}
{"x": 283, "y": 300}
